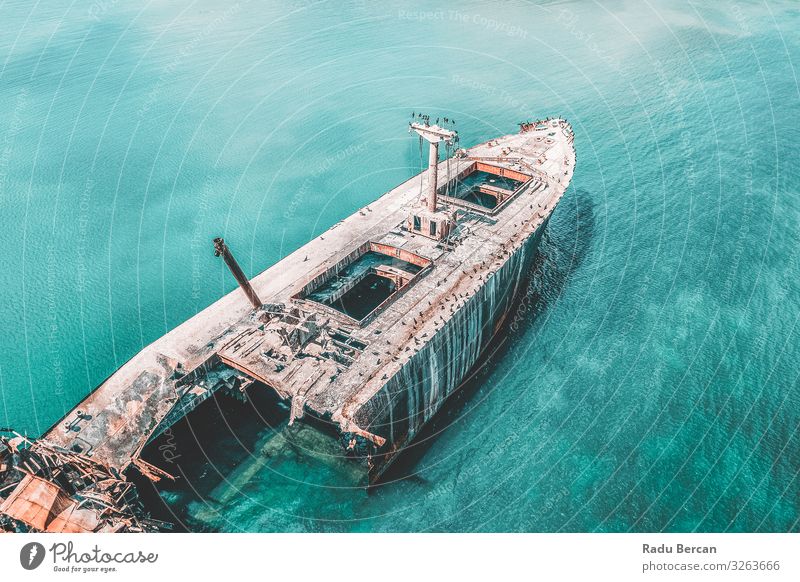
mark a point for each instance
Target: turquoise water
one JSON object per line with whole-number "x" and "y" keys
{"x": 649, "y": 381}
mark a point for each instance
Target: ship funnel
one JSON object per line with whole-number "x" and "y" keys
{"x": 434, "y": 135}
{"x": 221, "y": 249}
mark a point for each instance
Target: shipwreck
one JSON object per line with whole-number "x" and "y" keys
{"x": 369, "y": 327}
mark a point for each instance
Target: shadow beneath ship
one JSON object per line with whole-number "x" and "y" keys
{"x": 204, "y": 448}
{"x": 562, "y": 250}
{"x": 225, "y": 448}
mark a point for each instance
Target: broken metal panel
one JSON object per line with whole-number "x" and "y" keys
{"x": 35, "y": 502}
{"x": 44, "y": 488}
{"x": 75, "y": 520}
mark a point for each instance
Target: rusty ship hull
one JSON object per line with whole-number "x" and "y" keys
{"x": 410, "y": 399}
{"x": 369, "y": 327}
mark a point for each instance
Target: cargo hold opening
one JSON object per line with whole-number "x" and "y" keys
{"x": 484, "y": 187}
{"x": 366, "y": 280}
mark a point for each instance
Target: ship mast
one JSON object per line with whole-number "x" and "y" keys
{"x": 434, "y": 135}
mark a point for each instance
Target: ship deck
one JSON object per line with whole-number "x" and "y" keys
{"x": 324, "y": 361}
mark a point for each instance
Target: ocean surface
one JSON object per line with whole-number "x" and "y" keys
{"x": 650, "y": 378}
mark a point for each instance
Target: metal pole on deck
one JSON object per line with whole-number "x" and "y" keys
{"x": 433, "y": 171}
{"x": 221, "y": 249}
{"x": 434, "y": 135}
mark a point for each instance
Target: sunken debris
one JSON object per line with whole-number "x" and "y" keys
{"x": 44, "y": 488}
